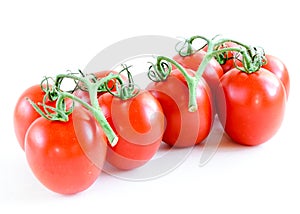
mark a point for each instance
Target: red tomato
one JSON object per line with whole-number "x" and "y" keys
{"x": 84, "y": 95}
{"x": 250, "y": 106}
{"x": 139, "y": 124}
{"x": 276, "y": 66}
{"x": 213, "y": 71}
{"x": 66, "y": 157}
{"x": 25, "y": 114}
{"x": 183, "y": 128}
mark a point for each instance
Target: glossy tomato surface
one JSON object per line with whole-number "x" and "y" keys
{"x": 66, "y": 157}
{"x": 250, "y": 106}
{"x": 139, "y": 124}
{"x": 277, "y": 67}
{"x": 183, "y": 128}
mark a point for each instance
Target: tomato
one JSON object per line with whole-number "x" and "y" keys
{"x": 183, "y": 128}
{"x": 25, "y": 114}
{"x": 250, "y": 106}
{"x": 212, "y": 73}
{"x": 84, "y": 95}
{"x": 276, "y": 66}
{"x": 139, "y": 124}
{"x": 66, "y": 157}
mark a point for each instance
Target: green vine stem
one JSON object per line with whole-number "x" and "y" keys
{"x": 191, "y": 81}
{"x": 252, "y": 58}
{"x": 61, "y": 113}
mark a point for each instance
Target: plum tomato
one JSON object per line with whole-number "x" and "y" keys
{"x": 183, "y": 128}
{"x": 250, "y": 106}
{"x": 139, "y": 124}
{"x": 66, "y": 157}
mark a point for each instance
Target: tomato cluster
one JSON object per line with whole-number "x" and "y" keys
{"x": 67, "y": 136}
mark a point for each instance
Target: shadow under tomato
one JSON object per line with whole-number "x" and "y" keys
{"x": 168, "y": 158}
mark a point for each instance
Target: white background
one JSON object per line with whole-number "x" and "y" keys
{"x": 40, "y": 39}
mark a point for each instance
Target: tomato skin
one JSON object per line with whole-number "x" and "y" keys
{"x": 212, "y": 73}
{"x": 250, "y": 106}
{"x": 25, "y": 114}
{"x": 183, "y": 128}
{"x": 66, "y": 157}
{"x": 139, "y": 124}
{"x": 277, "y": 67}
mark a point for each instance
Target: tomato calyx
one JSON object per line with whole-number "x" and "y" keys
{"x": 124, "y": 91}
{"x": 255, "y": 60}
{"x": 61, "y": 111}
